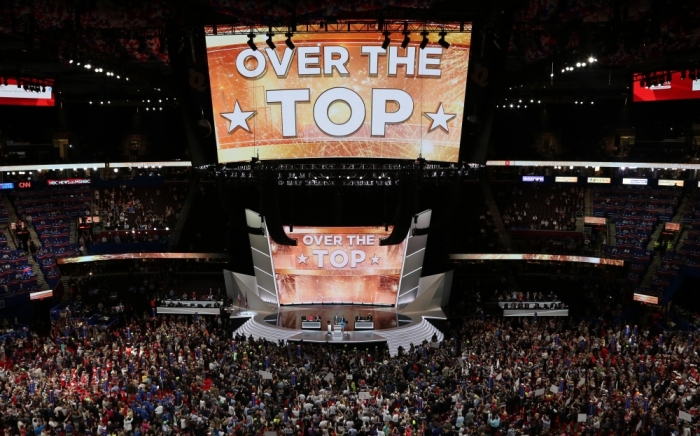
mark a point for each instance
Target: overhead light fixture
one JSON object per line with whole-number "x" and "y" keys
{"x": 406, "y": 40}
{"x": 387, "y": 41}
{"x": 424, "y": 42}
{"x": 269, "y": 42}
{"x": 288, "y": 42}
{"x": 251, "y": 43}
{"x": 444, "y": 44}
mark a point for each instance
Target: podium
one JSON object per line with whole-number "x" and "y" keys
{"x": 337, "y": 333}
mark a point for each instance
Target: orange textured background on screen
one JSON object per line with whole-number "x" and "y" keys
{"x": 374, "y": 282}
{"x": 401, "y": 141}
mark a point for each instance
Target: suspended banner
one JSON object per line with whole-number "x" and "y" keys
{"x": 342, "y": 95}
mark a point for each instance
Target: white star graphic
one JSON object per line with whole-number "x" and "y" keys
{"x": 302, "y": 258}
{"x": 375, "y": 259}
{"x": 439, "y": 118}
{"x": 238, "y": 118}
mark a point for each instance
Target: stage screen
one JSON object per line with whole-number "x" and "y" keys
{"x": 11, "y": 95}
{"x": 337, "y": 265}
{"x": 337, "y": 95}
{"x": 676, "y": 89}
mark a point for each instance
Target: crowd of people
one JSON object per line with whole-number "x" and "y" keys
{"x": 191, "y": 375}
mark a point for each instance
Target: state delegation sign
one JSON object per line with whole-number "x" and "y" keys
{"x": 337, "y": 95}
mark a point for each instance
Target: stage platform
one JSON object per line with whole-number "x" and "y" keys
{"x": 394, "y": 328}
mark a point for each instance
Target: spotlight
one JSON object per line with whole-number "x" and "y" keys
{"x": 583, "y": 64}
{"x": 88, "y": 66}
{"x": 406, "y": 40}
{"x": 387, "y": 41}
{"x": 288, "y": 41}
{"x": 251, "y": 44}
{"x": 269, "y": 42}
{"x": 444, "y": 44}
{"x": 70, "y": 61}
{"x": 424, "y": 42}
{"x": 591, "y": 60}
{"x": 562, "y": 70}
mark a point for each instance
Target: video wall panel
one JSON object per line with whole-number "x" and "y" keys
{"x": 337, "y": 95}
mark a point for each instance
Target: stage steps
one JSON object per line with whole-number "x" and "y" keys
{"x": 262, "y": 331}
{"x": 405, "y": 336}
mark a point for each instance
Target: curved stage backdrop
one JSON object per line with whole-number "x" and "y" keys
{"x": 335, "y": 265}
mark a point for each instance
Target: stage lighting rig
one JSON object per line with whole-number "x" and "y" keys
{"x": 387, "y": 40}
{"x": 288, "y": 41}
{"x": 424, "y": 42}
{"x": 406, "y": 40}
{"x": 444, "y": 44}
{"x": 251, "y": 43}
{"x": 268, "y": 41}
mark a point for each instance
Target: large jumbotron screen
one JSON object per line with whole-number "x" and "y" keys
{"x": 337, "y": 265}
{"x": 337, "y": 95}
